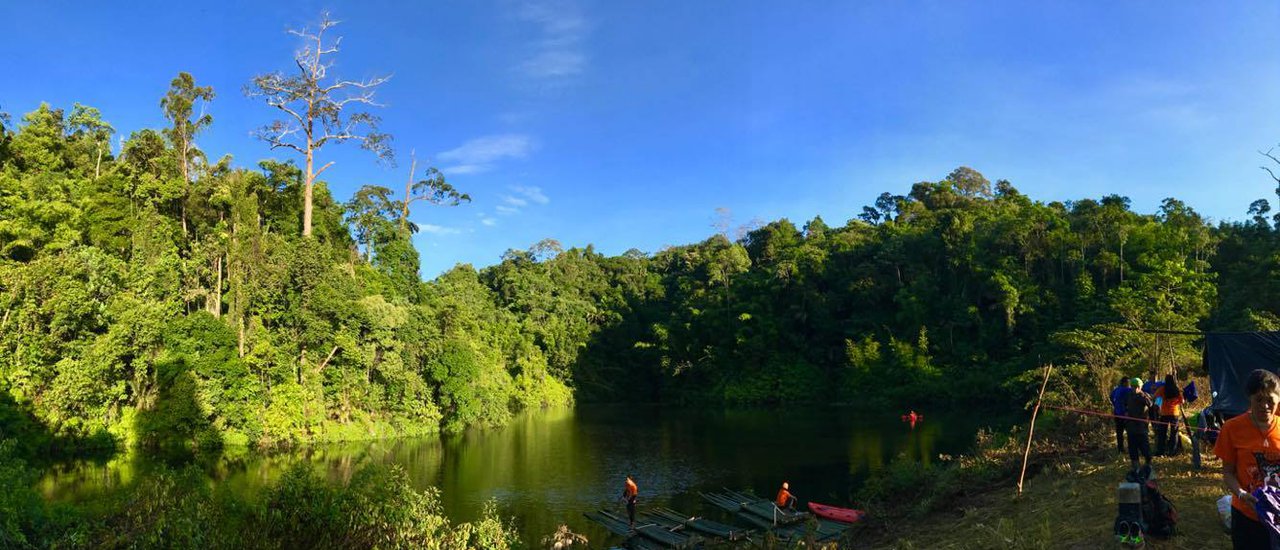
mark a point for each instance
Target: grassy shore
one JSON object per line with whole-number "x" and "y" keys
{"x": 1070, "y": 503}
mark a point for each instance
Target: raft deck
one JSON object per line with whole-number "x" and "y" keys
{"x": 787, "y": 525}
{"x": 663, "y": 528}
{"x": 675, "y": 520}
{"x": 646, "y": 535}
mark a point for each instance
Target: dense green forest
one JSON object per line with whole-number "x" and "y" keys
{"x": 145, "y": 295}
{"x": 153, "y": 296}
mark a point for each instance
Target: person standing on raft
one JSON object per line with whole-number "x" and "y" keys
{"x": 785, "y": 498}
{"x": 629, "y": 493}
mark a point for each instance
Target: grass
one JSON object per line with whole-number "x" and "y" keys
{"x": 1070, "y": 504}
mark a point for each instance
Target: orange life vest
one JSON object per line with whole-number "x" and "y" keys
{"x": 783, "y": 496}
{"x": 631, "y": 490}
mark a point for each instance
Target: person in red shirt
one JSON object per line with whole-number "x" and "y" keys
{"x": 1249, "y": 446}
{"x": 629, "y": 493}
{"x": 785, "y": 498}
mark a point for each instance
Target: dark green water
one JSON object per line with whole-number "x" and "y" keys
{"x": 549, "y": 467}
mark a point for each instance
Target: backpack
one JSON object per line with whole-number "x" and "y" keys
{"x": 1129, "y": 526}
{"x": 1158, "y": 512}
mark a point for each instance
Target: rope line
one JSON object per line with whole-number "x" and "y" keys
{"x": 1110, "y": 415}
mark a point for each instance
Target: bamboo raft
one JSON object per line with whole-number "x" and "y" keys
{"x": 662, "y": 528}
{"x": 753, "y": 507}
{"x": 646, "y": 536}
{"x": 787, "y": 525}
{"x": 674, "y": 520}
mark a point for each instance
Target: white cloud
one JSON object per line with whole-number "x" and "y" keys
{"x": 514, "y": 201}
{"x": 557, "y": 53}
{"x": 480, "y": 154}
{"x": 551, "y": 64}
{"x": 506, "y": 209}
{"x": 463, "y": 169}
{"x": 1157, "y": 101}
{"x": 532, "y": 193}
{"x": 438, "y": 229}
{"x": 489, "y": 221}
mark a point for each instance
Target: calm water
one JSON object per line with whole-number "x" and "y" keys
{"x": 549, "y": 467}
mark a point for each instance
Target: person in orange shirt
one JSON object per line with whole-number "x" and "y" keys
{"x": 785, "y": 498}
{"x": 629, "y": 493}
{"x": 1249, "y": 446}
{"x": 1170, "y": 398}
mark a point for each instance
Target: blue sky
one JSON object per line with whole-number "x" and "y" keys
{"x": 628, "y": 123}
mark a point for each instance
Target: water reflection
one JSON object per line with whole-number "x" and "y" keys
{"x": 549, "y": 467}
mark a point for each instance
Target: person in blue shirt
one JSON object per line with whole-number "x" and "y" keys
{"x": 1119, "y": 397}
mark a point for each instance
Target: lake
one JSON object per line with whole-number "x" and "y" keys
{"x": 548, "y": 467}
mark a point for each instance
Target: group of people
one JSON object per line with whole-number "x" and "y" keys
{"x": 1248, "y": 445}
{"x": 1137, "y": 406}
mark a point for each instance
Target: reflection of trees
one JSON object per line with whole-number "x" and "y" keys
{"x": 866, "y": 450}
{"x": 81, "y": 479}
{"x": 873, "y": 444}
{"x": 920, "y": 442}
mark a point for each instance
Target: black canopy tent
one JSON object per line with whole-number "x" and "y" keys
{"x": 1230, "y": 357}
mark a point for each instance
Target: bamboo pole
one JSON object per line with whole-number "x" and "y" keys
{"x": 1194, "y": 437}
{"x": 1032, "y": 429}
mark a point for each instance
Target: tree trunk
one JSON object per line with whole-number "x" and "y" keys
{"x": 236, "y": 284}
{"x": 408, "y": 187}
{"x": 217, "y": 292}
{"x": 1122, "y": 261}
{"x": 306, "y": 193}
{"x": 186, "y": 181}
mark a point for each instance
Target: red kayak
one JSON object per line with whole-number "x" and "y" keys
{"x": 847, "y": 515}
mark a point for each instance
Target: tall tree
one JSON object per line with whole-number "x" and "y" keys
{"x": 179, "y": 105}
{"x": 39, "y": 144}
{"x": 317, "y": 108}
{"x": 370, "y": 210}
{"x": 433, "y": 189}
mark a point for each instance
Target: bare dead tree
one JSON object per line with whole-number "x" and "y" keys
{"x": 318, "y": 109}
{"x": 1273, "y": 159}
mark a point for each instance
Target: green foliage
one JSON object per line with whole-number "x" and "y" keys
{"x": 470, "y": 389}
{"x": 21, "y": 507}
{"x": 377, "y": 508}
{"x": 137, "y": 309}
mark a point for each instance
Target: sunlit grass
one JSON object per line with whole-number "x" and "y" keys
{"x": 1071, "y": 503}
